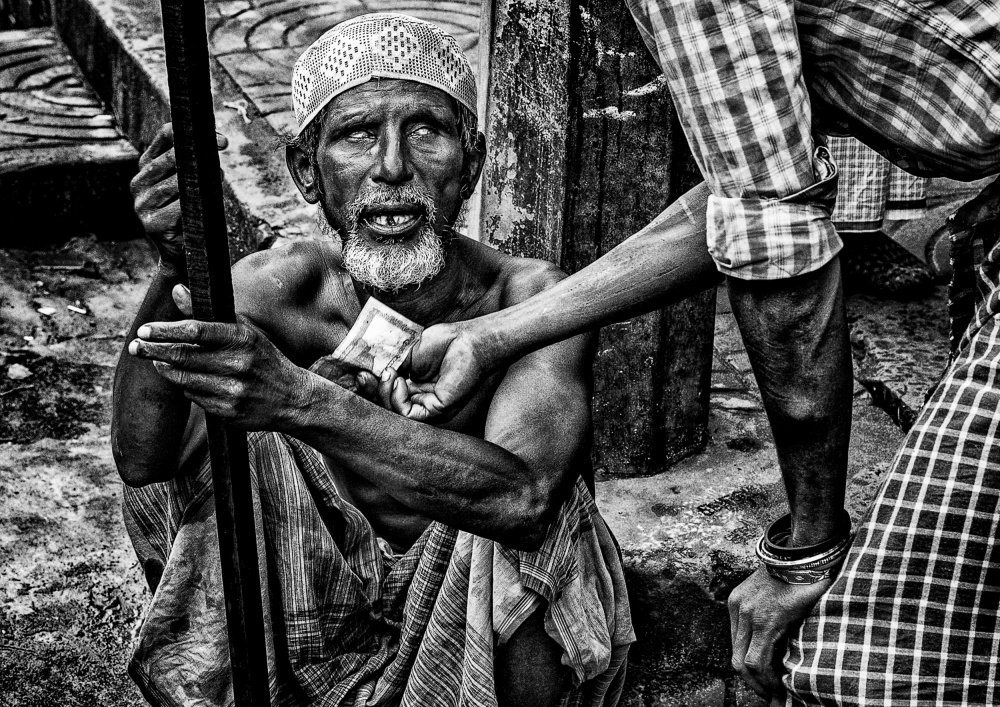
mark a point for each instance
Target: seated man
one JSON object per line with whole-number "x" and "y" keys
{"x": 464, "y": 563}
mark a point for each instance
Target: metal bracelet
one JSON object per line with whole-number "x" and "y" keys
{"x": 803, "y": 565}
{"x": 832, "y": 555}
{"x": 798, "y": 576}
{"x": 778, "y": 534}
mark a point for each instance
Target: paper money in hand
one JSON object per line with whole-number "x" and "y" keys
{"x": 379, "y": 339}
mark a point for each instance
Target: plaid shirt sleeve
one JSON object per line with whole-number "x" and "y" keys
{"x": 734, "y": 70}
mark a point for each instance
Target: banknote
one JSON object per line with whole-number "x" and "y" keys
{"x": 379, "y": 339}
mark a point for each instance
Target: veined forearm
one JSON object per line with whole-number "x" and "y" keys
{"x": 453, "y": 478}
{"x": 149, "y": 413}
{"x": 796, "y": 336}
{"x": 663, "y": 263}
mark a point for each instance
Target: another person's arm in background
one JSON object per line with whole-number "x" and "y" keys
{"x": 734, "y": 70}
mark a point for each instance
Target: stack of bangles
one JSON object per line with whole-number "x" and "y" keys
{"x": 803, "y": 565}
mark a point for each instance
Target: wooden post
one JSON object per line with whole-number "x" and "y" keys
{"x": 206, "y": 246}
{"x": 22, "y": 14}
{"x": 585, "y": 150}
{"x": 524, "y": 60}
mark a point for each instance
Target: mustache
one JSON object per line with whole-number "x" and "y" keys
{"x": 382, "y": 194}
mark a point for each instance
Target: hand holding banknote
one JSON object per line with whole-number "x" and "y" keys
{"x": 373, "y": 349}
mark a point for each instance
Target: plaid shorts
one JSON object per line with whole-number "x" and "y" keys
{"x": 913, "y": 617}
{"x": 872, "y": 189}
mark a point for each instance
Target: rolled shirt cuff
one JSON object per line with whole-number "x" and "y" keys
{"x": 773, "y": 239}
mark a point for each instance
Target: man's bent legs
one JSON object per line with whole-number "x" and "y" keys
{"x": 913, "y": 616}
{"x": 350, "y": 623}
{"x": 528, "y": 668}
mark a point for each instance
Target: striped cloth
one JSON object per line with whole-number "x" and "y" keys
{"x": 872, "y": 189}
{"x": 913, "y": 617}
{"x": 752, "y": 80}
{"x": 353, "y": 624}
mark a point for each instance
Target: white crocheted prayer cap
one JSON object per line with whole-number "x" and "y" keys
{"x": 379, "y": 45}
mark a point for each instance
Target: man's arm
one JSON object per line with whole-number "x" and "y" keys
{"x": 663, "y": 263}
{"x": 149, "y": 414}
{"x": 505, "y": 487}
{"x": 795, "y": 332}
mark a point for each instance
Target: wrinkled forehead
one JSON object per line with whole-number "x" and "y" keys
{"x": 380, "y": 45}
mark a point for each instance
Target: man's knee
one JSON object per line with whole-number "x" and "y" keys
{"x": 528, "y": 669}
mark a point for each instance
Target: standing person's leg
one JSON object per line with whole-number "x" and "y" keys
{"x": 913, "y": 617}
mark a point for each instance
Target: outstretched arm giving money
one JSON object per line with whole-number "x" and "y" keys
{"x": 665, "y": 262}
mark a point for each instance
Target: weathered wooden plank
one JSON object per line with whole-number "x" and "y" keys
{"x": 525, "y": 45}
{"x": 627, "y": 160}
{"x": 584, "y": 151}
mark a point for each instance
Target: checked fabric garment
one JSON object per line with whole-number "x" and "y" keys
{"x": 753, "y": 80}
{"x": 913, "y": 617}
{"x": 352, "y": 623}
{"x": 871, "y": 189}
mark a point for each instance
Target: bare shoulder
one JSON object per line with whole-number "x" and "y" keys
{"x": 526, "y": 277}
{"x": 516, "y": 279}
{"x": 286, "y": 291}
{"x": 278, "y": 275}
{"x": 541, "y": 408}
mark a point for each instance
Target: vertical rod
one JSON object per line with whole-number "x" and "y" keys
{"x": 206, "y": 245}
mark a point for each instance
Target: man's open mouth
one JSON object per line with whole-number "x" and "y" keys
{"x": 393, "y": 221}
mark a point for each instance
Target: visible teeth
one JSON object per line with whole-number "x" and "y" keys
{"x": 389, "y": 220}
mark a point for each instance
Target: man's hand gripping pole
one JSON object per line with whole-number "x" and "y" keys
{"x": 206, "y": 246}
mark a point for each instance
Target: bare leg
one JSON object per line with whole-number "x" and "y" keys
{"x": 528, "y": 671}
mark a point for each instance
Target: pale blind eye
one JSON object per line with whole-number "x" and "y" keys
{"x": 360, "y": 136}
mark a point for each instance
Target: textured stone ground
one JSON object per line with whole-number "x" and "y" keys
{"x": 70, "y": 593}
{"x": 70, "y": 589}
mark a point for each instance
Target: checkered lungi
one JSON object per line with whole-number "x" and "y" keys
{"x": 913, "y": 617}
{"x": 350, "y": 623}
{"x": 872, "y": 189}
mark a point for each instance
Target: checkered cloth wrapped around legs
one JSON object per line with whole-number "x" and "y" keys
{"x": 353, "y": 624}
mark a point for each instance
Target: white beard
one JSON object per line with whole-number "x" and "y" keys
{"x": 390, "y": 266}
